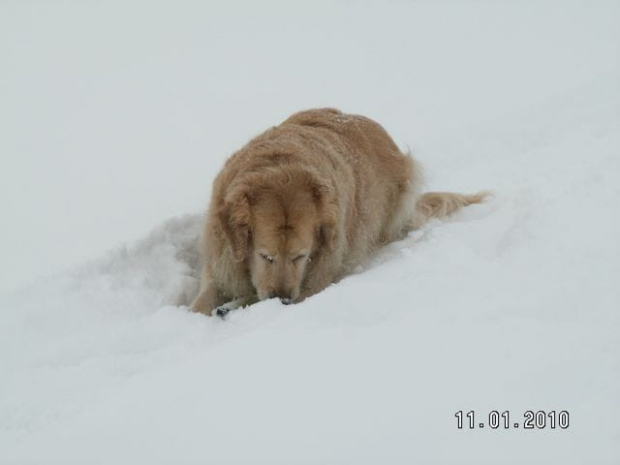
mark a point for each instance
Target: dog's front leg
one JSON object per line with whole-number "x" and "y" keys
{"x": 209, "y": 298}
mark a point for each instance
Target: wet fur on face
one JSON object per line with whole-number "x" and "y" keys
{"x": 285, "y": 231}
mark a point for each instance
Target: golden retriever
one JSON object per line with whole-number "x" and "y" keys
{"x": 303, "y": 204}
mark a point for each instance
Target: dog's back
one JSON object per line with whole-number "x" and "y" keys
{"x": 387, "y": 183}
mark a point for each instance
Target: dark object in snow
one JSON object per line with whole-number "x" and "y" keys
{"x": 222, "y": 312}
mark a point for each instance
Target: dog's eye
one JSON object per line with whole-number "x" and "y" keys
{"x": 299, "y": 257}
{"x": 269, "y": 258}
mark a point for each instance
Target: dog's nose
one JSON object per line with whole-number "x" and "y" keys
{"x": 286, "y": 300}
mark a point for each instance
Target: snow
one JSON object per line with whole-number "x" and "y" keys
{"x": 116, "y": 116}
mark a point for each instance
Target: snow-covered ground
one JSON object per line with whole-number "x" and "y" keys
{"x": 117, "y": 115}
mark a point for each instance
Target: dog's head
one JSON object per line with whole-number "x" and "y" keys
{"x": 277, "y": 227}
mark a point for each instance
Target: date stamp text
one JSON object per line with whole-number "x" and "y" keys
{"x": 530, "y": 419}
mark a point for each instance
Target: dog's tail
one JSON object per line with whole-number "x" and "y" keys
{"x": 441, "y": 204}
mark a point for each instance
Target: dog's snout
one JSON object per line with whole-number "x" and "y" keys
{"x": 285, "y": 297}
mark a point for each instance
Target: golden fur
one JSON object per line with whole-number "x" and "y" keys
{"x": 304, "y": 203}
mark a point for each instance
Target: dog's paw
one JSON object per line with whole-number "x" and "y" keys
{"x": 222, "y": 311}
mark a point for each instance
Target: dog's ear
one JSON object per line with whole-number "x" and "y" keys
{"x": 235, "y": 218}
{"x": 327, "y": 234}
{"x": 328, "y": 213}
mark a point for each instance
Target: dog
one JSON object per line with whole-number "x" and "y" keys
{"x": 304, "y": 204}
